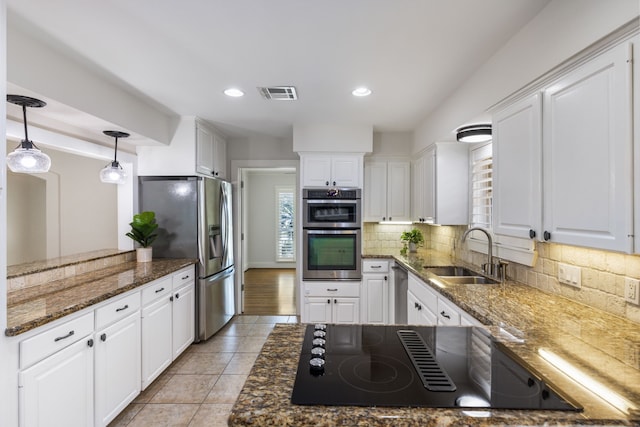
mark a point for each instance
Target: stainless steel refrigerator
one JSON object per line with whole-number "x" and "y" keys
{"x": 195, "y": 221}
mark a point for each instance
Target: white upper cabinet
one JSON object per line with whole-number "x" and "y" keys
{"x": 324, "y": 170}
{"x": 196, "y": 148}
{"x": 441, "y": 185}
{"x": 211, "y": 152}
{"x": 563, "y": 168}
{"x": 587, "y": 155}
{"x": 517, "y": 179}
{"x": 387, "y": 191}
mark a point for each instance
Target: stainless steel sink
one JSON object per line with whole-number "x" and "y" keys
{"x": 468, "y": 280}
{"x": 450, "y": 270}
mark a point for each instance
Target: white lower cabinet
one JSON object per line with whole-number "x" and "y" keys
{"x": 168, "y": 322}
{"x": 375, "y": 291}
{"x": 117, "y": 375}
{"x": 58, "y": 391}
{"x": 331, "y": 302}
{"x": 425, "y": 306}
{"x": 86, "y": 370}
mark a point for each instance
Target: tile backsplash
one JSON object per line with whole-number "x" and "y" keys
{"x": 602, "y": 272}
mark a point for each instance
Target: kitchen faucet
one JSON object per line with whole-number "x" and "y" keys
{"x": 489, "y": 268}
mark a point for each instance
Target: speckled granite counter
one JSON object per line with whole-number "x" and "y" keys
{"x": 602, "y": 345}
{"x": 37, "y": 305}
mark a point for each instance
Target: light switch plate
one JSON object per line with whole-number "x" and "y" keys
{"x": 632, "y": 290}
{"x": 570, "y": 275}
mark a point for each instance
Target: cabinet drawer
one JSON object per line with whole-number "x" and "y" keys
{"x": 423, "y": 293}
{"x": 332, "y": 289}
{"x": 183, "y": 276}
{"x": 375, "y": 266}
{"x": 155, "y": 290}
{"x": 48, "y": 342}
{"x": 118, "y": 309}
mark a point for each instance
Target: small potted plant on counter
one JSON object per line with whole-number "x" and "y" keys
{"x": 142, "y": 232}
{"x": 413, "y": 239}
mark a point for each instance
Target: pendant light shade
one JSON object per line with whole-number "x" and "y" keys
{"x": 474, "y": 133}
{"x": 113, "y": 172}
{"x": 27, "y": 158}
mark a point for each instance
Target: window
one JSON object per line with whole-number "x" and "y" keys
{"x": 285, "y": 215}
{"x": 481, "y": 186}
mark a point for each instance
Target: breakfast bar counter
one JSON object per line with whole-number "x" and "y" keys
{"x": 523, "y": 318}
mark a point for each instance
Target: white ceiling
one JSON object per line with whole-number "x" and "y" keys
{"x": 182, "y": 54}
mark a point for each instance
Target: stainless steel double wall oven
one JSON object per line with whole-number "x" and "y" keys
{"x": 332, "y": 221}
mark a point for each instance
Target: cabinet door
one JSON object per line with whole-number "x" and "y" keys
{"x": 219, "y": 157}
{"x": 399, "y": 191}
{"x": 156, "y": 339}
{"x": 318, "y": 309}
{"x": 375, "y": 192}
{"x": 117, "y": 368}
{"x": 376, "y": 289}
{"x": 418, "y": 313}
{"x": 316, "y": 170}
{"x": 345, "y": 171}
{"x": 517, "y": 180}
{"x": 346, "y": 310}
{"x": 204, "y": 150}
{"x": 183, "y": 318}
{"x": 429, "y": 188}
{"x": 417, "y": 190}
{"x": 587, "y": 155}
{"x": 448, "y": 314}
{"x": 58, "y": 391}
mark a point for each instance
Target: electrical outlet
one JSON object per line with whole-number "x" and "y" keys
{"x": 632, "y": 290}
{"x": 570, "y": 275}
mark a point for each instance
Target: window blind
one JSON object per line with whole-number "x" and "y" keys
{"x": 481, "y": 186}
{"x": 285, "y": 215}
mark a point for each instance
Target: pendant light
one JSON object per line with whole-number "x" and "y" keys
{"x": 113, "y": 172}
{"x": 27, "y": 158}
{"x": 474, "y": 133}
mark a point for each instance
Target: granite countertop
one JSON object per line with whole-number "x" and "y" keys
{"x": 35, "y": 306}
{"x": 523, "y": 318}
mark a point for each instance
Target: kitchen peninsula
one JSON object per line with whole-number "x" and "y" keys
{"x": 523, "y": 318}
{"x": 90, "y": 279}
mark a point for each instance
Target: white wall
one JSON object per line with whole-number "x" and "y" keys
{"x": 396, "y": 144}
{"x": 561, "y": 30}
{"x": 48, "y": 71}
{"x": 26, "y": 218}
{"x": 260, "y": 230}
{"x": 260, "y": 148}
{"x": 333, "y": 138}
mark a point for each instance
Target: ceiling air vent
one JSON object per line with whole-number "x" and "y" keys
{"x": 279, "y": 93}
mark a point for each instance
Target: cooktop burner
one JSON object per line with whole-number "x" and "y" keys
{"x": 444, "y": 367}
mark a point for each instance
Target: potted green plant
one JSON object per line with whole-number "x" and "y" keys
{"x": 412, "y": 238}
{"x": 142, "y": 231}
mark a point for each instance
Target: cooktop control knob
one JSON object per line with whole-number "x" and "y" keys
{"x": 318, "y": 342}
{"x": 319, "y": 334}
{"x": 316, "y": 366}
{"x": 320, "y": 327}
{"x": 317, "y": 352}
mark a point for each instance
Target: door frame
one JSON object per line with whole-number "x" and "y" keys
{"x": 238, "y": 170}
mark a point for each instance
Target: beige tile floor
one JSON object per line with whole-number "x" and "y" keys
{"x": 200, "y": 387}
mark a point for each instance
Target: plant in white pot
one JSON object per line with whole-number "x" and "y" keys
{"x": 142, "y": 231}
{"x": 413, "y": 238}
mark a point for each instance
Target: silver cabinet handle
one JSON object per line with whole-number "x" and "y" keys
{"x": 64, "y": 337}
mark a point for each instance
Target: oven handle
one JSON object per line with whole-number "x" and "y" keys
{"x": 331, "y": 231}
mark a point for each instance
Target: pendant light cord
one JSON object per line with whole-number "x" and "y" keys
{"x": 25, "y": 143}
{"x": 115, "y": 155}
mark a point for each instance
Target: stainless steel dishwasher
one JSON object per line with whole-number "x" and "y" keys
{"x": 400, "y": 285}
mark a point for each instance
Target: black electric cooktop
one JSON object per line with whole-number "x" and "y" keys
{"x": 440, "y": 367}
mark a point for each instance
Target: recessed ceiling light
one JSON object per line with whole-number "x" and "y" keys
{"x": 233, "y": 92}
{"x": 361, "y": 91}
